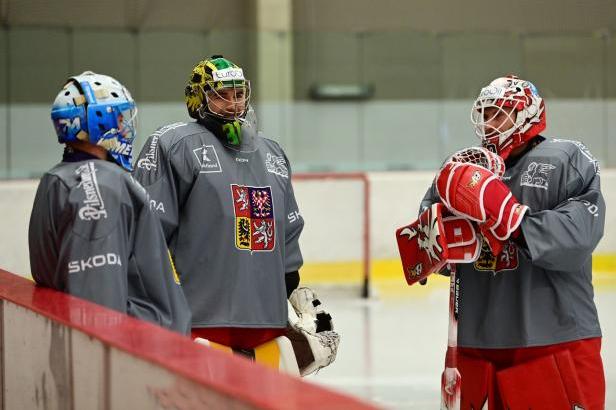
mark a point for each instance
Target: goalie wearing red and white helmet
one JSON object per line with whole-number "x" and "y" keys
{"x": 508, "y": 113}
{"x": 526, "y": 314}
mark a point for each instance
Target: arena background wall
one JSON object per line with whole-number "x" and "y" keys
{"x": 333, "y": 212}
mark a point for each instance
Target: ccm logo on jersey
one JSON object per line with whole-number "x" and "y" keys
{"x": 95, "y": 261}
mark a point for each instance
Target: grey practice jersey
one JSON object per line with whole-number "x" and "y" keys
{"x": 231, "y": 222}
{"x": 93, "y": 235}
{"x": 539, "y": 292}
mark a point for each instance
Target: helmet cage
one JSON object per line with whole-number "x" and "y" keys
{"x": 485, "y": 111}
{"x": 521, "y": 105}
{"x": 228, "y": 99}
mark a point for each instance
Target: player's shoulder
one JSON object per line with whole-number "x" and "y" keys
{"x": 571, "y": 151}
{"x": 562, "y": 146}
{"x": 60, "y": 175}
{"x": 276, "y": 161}
{"x": 272, "y": 145}
{"x": 103, "y": 173}
{"x": 171, "y": 135}
{"x": 565, "y": 145}
{"x": 165, "y": 137}
{"x": 159, "y": 143}
{"x": 96, "y": 195}
{"x": 168, "y": 133}
{"x": 137, "y": 194}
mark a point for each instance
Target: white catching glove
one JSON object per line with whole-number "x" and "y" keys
{"x": 324, "y": 347}
{"x": 315, "y": 344}
{"x": 311, "y": 313}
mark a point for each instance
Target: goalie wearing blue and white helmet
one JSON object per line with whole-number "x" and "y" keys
{"x": 96, "y": 109}
{"x": 92, "y": 233}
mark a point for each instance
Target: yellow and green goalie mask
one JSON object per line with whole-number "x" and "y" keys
{"x": 218, "y": 95}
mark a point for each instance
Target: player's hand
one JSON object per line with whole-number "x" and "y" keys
{"x": 476, "y": 193}
{"x": 433, "y": 240}
{"x": 445, "y": 272}
{"x": 496, "y": 245}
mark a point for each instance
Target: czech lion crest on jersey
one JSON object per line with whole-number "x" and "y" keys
{"x": 506, "y": 260}
{"x": 255, "y": 228}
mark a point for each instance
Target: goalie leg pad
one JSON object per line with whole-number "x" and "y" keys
{"x": 586, "y": 355}
{"x": 277, "y": 354}
{"x": 478, "y": 383}
{"x": 549, "y": 382}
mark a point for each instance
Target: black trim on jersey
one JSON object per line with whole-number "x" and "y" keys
{"x": 531, "y": 144}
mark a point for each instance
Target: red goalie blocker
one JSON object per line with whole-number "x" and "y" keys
{"x": 434, "y": 240}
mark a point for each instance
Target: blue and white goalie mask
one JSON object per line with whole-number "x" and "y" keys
{"x": 96, "y": 108}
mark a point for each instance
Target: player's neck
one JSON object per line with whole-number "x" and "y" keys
{"x": 520, "y": 151}
{"x": 516, "y": 152}
{"x": 95, "y": 150}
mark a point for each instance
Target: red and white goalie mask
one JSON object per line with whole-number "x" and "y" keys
{"x": 508, "y": 113}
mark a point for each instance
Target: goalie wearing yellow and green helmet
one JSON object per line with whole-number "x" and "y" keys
{"x": 218, "y": 95}
{"x": 224, "y": 195}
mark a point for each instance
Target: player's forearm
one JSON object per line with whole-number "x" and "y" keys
{"x": 431, "y": 197}
{"x": 154, "y": 288}
{"x": 562, "y": 239}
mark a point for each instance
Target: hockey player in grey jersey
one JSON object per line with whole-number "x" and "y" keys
{"x": 92, "y": 233}
{"x": 225, "y": 198}
{"x": 527, "y": 318}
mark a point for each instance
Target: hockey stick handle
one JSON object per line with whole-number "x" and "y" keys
{"x": 451, "y": 379}
{"x": 452, "y": 333}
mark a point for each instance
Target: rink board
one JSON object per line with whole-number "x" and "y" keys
{"x": 61, "y": 352}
